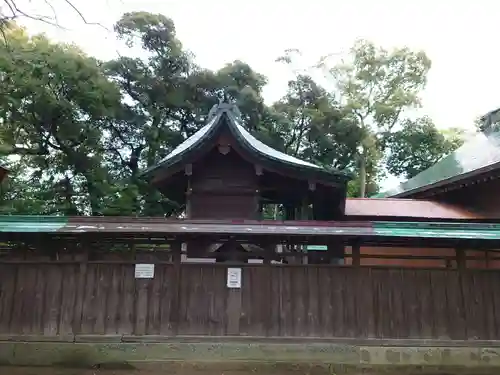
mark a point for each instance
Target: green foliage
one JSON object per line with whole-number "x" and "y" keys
{"x": 418, "y": 146}
{"x": 78, "y": 131}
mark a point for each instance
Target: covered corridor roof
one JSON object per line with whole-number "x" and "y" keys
{"x": 77, "y": 225}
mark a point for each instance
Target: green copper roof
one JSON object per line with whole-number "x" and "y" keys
{"x": 479, "y": 154}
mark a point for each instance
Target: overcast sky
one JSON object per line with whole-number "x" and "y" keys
{"x": 459, "y": 36}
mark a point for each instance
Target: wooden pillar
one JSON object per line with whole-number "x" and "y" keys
{"x": 356, "y": 254}
{"x": 461, "y": 261}
{"x": 335, "y": 252}
{"x": 269, "y": 252}
{"x": 304, "y": 215}
{"x": 289, "y": 211}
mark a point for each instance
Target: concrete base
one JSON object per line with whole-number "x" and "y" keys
{"x": 236, "y": 368}
{"x": 130, "y": 355}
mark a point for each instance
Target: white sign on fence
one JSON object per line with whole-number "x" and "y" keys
{"x": 234, "y": 278}
{"x": 144, "y": 271}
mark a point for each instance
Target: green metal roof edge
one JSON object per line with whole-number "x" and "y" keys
{"x": 434, "y": 225}
{"x": 32, "y": 223}
{"x": 438, "y": 230}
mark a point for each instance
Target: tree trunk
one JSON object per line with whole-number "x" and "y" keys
{"x": 362, "y": 175}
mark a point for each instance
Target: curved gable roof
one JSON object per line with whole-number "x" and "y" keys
{"x": 231, "y": 113}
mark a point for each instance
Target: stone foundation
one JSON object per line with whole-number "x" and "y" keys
{"x": 94, "y": 352}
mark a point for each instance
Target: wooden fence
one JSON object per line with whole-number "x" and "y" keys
{"x": 66, "y": 298}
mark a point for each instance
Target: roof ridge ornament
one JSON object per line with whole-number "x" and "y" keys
{"x": 226, "y": 105}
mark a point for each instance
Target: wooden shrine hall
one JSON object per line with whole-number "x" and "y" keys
{"x": 264, "y": 245}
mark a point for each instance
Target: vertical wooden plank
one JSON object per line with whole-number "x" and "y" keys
{"x": 52, "y": 300}
{"x": 101, "y": 287}
{"x": 480, "y": 316}
{"x": 288, "y": 297}
{"x": 438, "y": 283}
{"x": 495, "y": 280}
{"x": 176, "y": 286}
{"x": 126, "y": 313}
{"x": 455, "y": 315}
{"x": 349, "y": 297}
{"x": 412, "y": 307}
{"x": 386, "y": 321}
{"x": 274, "y": 281}
{"x": 378, "y": 312}
{"x": 80, "y": 292}
{"x": 39, "y": 301}
{"x": 471, "y": 303}
{"x": 153, "y": 321}
{"x": 16, "y": 323}
{"x": 487, "y": 289}
{"x": 69, "y": 292}
{"x": 398, "y": 296}
{"x": 337, "y": 301}
{"x": 313, "y": 296}
{"x": 88, "y": 309}
{"x": 248, "y": 322}
{"x": 365, "y": 306}
{"x": 8, "y": 291}
{"x": 181, "y": 300}
{"x": 298, "y": 296}
{"x": 141, "y": 305}
{"x": 167, "y": 294}
{"x": 425, "y": 286}
{"x": 29, "y": 298}
{"x": 197, "y": 298}
{"x": 7, "y": 282}
{"x": 114, "y": 295}
{"x": 325, "y": 284}
{"x": 218, "y": 301}
{"x": 233, "y": 312}
{"x": 261, "y": 290}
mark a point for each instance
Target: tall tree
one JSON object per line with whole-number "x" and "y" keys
{"x": 166, "y": 99}
{"x": 309, "y": 122}
{"x": 56, "y": 97}
{"x": 376, "y": 87}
